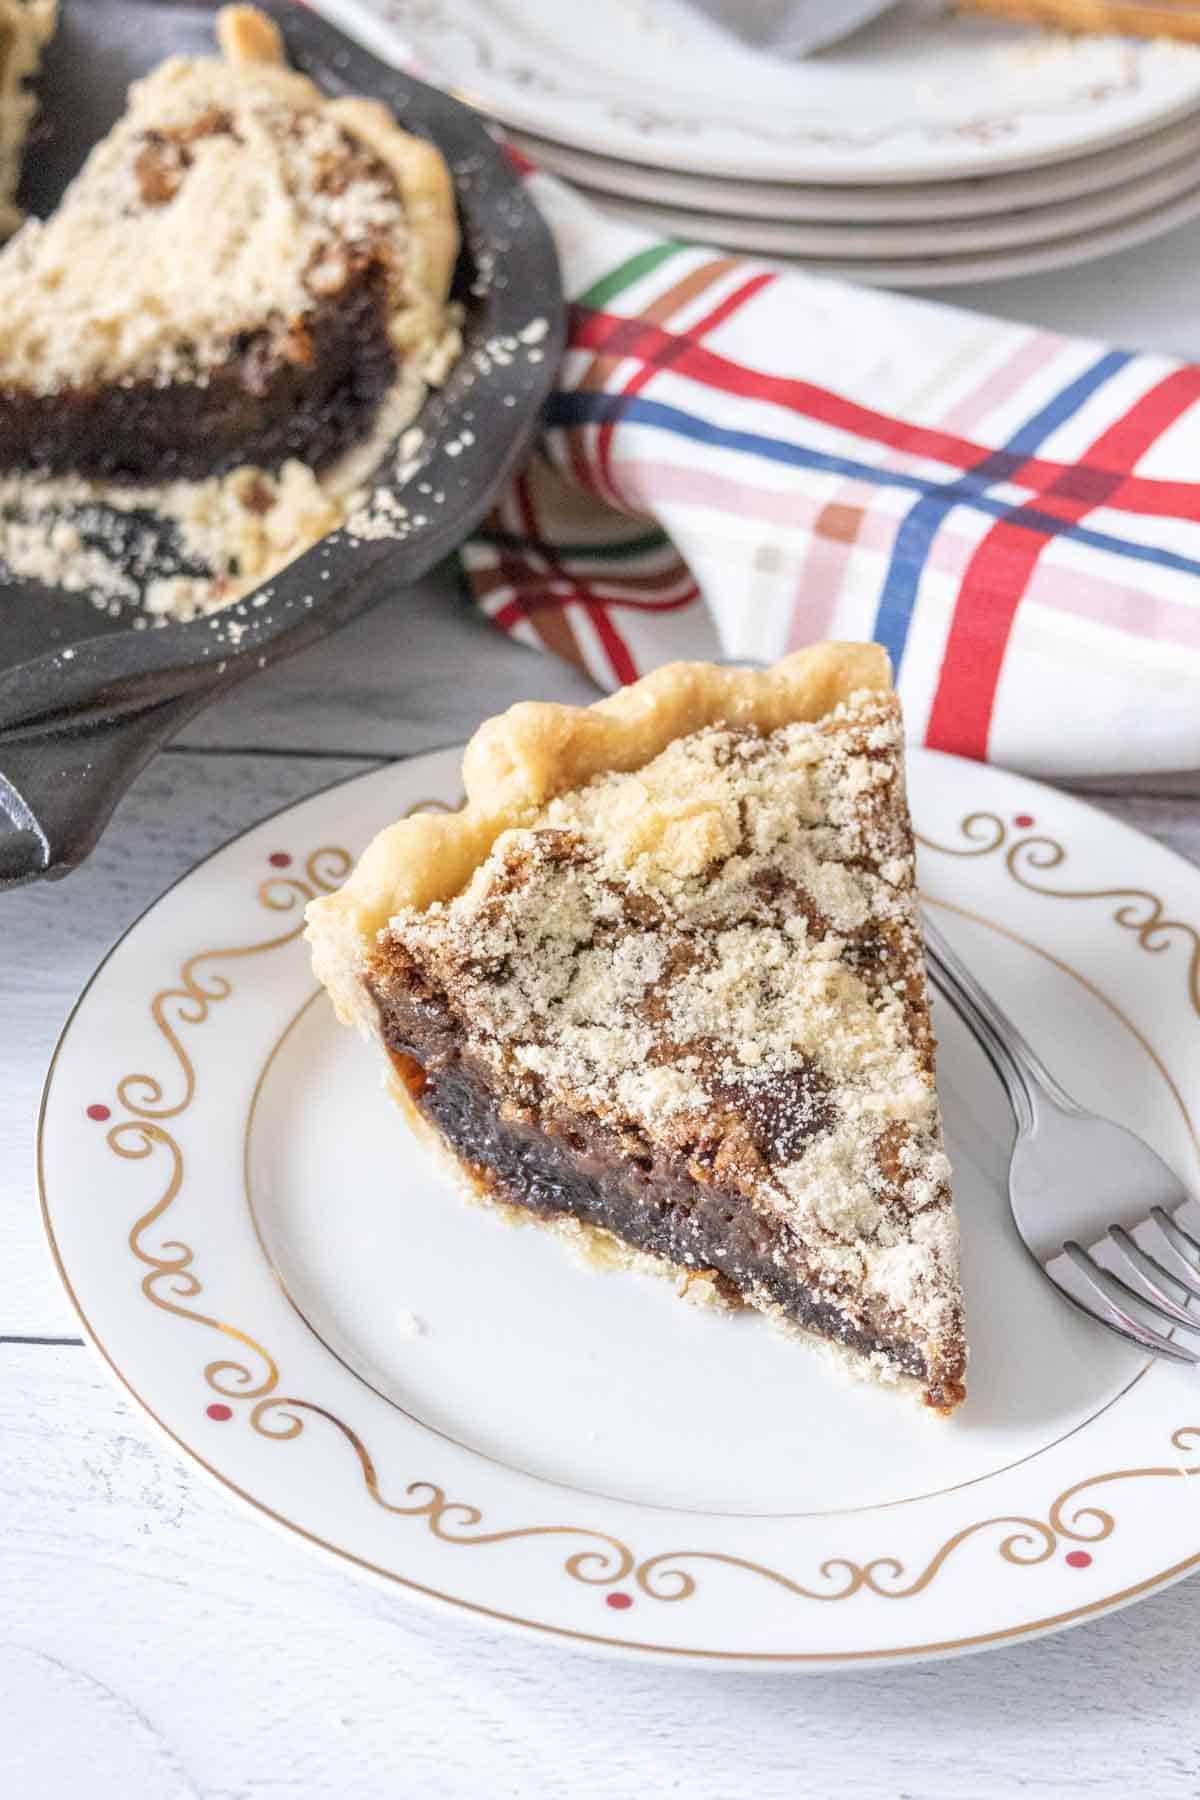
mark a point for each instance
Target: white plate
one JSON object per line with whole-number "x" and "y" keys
{"x": 249, "y": 1233}
{"x": 915, "y": 272}
{"x": 921, "y": 94}
{"x": 979, "y": 197}
{"x": 955, "y": 237}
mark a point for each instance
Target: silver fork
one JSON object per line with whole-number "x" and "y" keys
{"x": 1076, "y": 1180}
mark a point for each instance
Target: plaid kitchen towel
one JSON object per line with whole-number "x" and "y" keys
{"x": 740, "y": 458}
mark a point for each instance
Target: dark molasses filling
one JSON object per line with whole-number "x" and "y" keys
{"x": 565, "y": 1164}
{"x": 306, "y": 392}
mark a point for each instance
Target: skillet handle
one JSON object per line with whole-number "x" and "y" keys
{"x": 59, "y": 787}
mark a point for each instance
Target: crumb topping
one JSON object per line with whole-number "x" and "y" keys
{"x": 251, "y": 203}
{"x": 721, "y": 949}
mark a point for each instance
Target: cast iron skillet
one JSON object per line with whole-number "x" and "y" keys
{"x": 76, "y": 728}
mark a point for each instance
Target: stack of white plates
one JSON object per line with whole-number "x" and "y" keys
{"x": 930, "y": 147}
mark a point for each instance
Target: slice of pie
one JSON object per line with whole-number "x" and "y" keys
{"x": 661, "y": 980}
{"x": 240, "y": 274}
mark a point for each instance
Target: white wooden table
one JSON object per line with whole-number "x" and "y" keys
{"x": 155, "y": 1643}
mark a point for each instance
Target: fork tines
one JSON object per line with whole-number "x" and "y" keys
{"x": 1165, "y": 1295}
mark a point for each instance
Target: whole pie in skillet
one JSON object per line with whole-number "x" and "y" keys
{"x": 242, "y": 273}
{"x": 660, "y": 984}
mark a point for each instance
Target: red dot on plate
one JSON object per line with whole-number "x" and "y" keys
{"x": 619, "y": 1602}
{"x": 1023, "y": 821}
{"x": 1079, "y": 1559}
{"x": 98, "y": 1112}
{"x": 219, "y": 1411}
{"x": 279, "y": 859}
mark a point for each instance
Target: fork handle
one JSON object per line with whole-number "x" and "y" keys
{"x": 1025, "y": 1076}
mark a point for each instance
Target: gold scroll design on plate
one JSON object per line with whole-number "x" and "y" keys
{"x": 1024, "y": 1541}
{"x": 606, "y": 1559}
{"x": 1027, "y": 859}
{"x": 170, "y": 1280}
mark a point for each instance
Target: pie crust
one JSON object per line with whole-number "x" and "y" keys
{"x": 517, "y": 762}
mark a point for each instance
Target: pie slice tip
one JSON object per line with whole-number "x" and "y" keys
{"x": 661, "y": 980}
